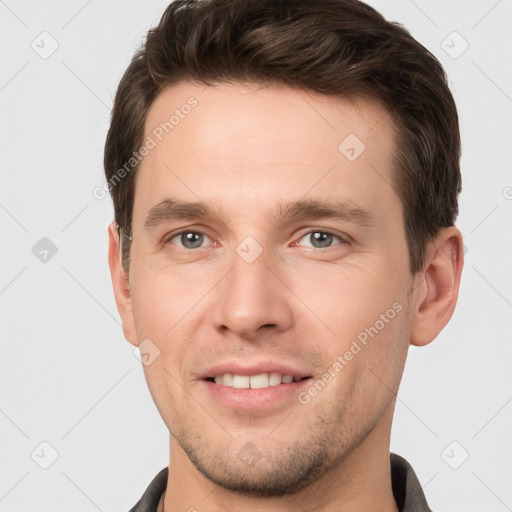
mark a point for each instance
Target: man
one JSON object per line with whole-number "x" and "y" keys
{"x": 285, "y": 178}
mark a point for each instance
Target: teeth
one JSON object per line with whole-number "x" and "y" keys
{"x": 274, "y": 379}
{"x": 241, "y": 381}
{"x": 260, "y": 381}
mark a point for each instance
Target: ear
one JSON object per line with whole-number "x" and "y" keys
{"x": 437, "y": 286}
{"x": 120, "y": 284}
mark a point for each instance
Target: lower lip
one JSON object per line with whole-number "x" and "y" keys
{"x": 236, "y": 398}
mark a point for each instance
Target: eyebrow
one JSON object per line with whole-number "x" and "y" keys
{"x": 310, "y": 209}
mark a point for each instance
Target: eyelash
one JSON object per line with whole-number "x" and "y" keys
{"x": 343, "y": 239}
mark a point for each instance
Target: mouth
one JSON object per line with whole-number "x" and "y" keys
{"x": 256, "y": 381}
{"x": 265, "y": 385}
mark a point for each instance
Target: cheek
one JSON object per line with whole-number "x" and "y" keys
{"x": 346, "y": 299}
{"x": 161, "y": 298}
{"x": 361, "y": 315}
{"x": 166, "y": 306}
{"x": 160, "y": 315}
{"x": 366, "y": 363}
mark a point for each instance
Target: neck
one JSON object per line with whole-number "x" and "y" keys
{"x": 361, "y": 481}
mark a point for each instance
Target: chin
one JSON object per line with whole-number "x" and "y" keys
{"x": 253, "y": 473}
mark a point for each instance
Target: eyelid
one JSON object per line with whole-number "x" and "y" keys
{"x": 169, "y": 236}
{"x": 346, "y": 239}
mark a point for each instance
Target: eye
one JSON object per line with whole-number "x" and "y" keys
{"x": 187, "y": 239}
{"x": 320, "y": 239}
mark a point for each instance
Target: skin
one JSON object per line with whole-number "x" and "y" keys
{"x": 246, "y": 148}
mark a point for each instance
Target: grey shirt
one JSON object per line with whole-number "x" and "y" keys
{"x": 406, "y": 489}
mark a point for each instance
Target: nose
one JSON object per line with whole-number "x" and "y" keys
{"x": 252, "y": 298}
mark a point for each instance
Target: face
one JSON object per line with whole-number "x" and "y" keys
{"x": 268, "y": 247}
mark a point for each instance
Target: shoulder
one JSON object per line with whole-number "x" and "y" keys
{"x": 149, "y": 500}
{"x": 407, "y": 489}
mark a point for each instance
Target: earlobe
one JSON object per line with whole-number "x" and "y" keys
{"x": 437, "y": 288}
{"x": 120, "y": 284}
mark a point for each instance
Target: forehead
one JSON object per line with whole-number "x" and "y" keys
{"x": 290, "y": 113}
{"x": 273, "y": 140}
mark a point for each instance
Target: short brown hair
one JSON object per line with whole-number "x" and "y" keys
{"x": 334, "y": 47}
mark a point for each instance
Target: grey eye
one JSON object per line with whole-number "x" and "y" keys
{"x": 320, "y": 239}
{"x": 190, "y": 239}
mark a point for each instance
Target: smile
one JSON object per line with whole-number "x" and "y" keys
{"x": 258, "y": 381}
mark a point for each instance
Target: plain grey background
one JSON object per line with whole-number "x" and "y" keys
{"x": 73, "y": 398}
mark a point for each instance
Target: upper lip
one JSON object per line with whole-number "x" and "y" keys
{"x": 238, "y": 368}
